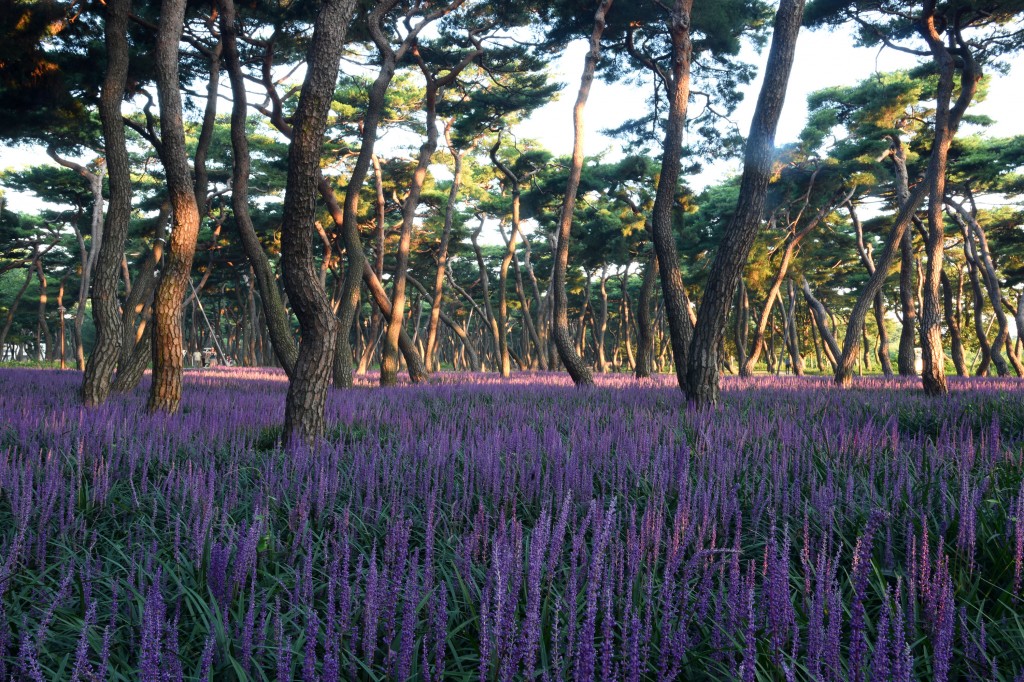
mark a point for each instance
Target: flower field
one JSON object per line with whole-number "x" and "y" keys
{"x": 484, "y": 529}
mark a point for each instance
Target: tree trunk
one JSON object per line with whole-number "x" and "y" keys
{"x": 644, "y": 324}
{"x": 821, "y": 320}
{"x": 702, "y": 371}
{"x": 528, "y": 323}
{"x": 865, "y": 251}
{"x": 947, "y": 119}
{"x": 457, "y": 329}
{"x": 953, "y": 324}
{"x": 17, "y": 298}
{"x": 983, "y": 257}
{"x": 574, "y": 364}
{"x": 87, "y": 255}
{"x": 105, "y": 308}
{"x": 307, "y": 388}
{"x": 906, "y": 356}
{"x": 793, "y": 334}
{"x": 165, "y": 389}
{"x": 357, "y": 265}
{"x": 42, "y": 328}
{"x": 602, "y": 325}
{"x": 677, "y": 86}
{"x": 274, "y": 312}
{"x": 435, "y": 85}
{"x": 442, "y": 253}
{"x": 742, "y": 324}
{"x": 488, "y": 310}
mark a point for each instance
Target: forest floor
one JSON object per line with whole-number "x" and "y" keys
{"x": 482, "y": 528}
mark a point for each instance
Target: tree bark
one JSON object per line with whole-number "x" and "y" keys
{"x": 983, "y": 256}
{"x": 677, "y": 86}
{"x": 87, "y": 255}
{"x": 442, "y": 251}
{"x": 435, "y": 85}
{"x": 906, "y": 358}
{"x": 106, "y": 312}
{"x": 821, "y": 321}
{"x": 574, "y": 364}
{"x": 644, "y": 324}
{"x": 281, "y": 338}
{"x": 307, "y": 388}
{"x": 866, "y": 257}
{"x": 947, "y": 120}
{"x": 702, "y": 371}
{"x": 457, "y": 329}
{"x": 165, "y": 390}
{"x": 792, "y": 334}
{"x": 953, "y": 324}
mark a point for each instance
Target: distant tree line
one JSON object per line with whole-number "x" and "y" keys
{"x": 217, "y": 180}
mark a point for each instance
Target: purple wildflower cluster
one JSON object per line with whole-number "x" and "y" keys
{"x": 489, "y": 529}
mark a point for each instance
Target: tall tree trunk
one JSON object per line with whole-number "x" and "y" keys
{"x": 541, "y": 327}
{"x": 165, "y": 389}
{"x": 865, "y": 250}
{"x": 505, "y": 365}
{"x": 442, "y": 251}
{"x": 644, "y": 325}
{"x": 742, "y": 324}
{"x": 677, "y": 87}
{"x": 793, "y": 335}
{"x": 531, "y": 329}
{"x": 42, "y": 328}
{"x": 947, "y": 119}
{"x": 488, "y": 311}
{"x": 702, "y": 371}
{"x": 602, "y": 325}
{"x": 983, "y": 257}
{"x": 945, "y": 127}
{"x": 357, "y": 266}
{"x": 307, "y": 388}
{"x": 87, "y": 255}
{"x": 953, "y": 324}
{"x": 276, "y": 316}
{"x": 906, "y": 358}
{"x": 574, "y": 364}
{"x": 457, "y": 329}
{"x": 105, "y": 309}
{"x": 435, "y": 85}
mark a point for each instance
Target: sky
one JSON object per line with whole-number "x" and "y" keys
{"x": 823, "y": 59}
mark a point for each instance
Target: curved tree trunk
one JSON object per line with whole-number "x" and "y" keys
{"x": 702, "y": 370}
{"x": 307, "y": 388}
{"x": 457, "y": 329}
{"x": 983, "y": 256}
{"x": 574, "y": 364}
{"x": 865, "y": 251}
{"x": 677, "y": 85}
{"x": 821, "y": 322}
{"x": 106, "y": 312}
{"x": 389, "y": 352}
{"x": 276, "y": 316}
{"x": 947, "y": 119}
{"x": 165, "y": 390}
